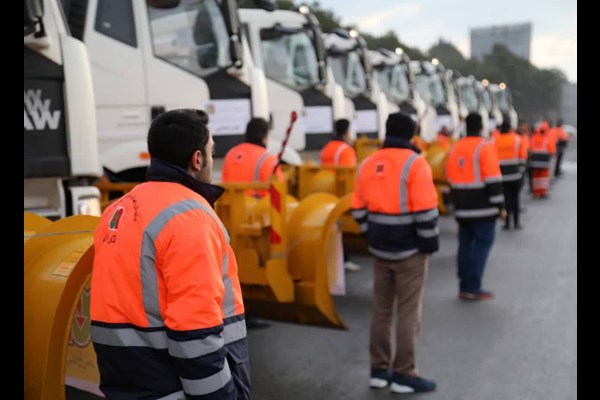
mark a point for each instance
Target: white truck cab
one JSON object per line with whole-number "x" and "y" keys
{"x": 59, "y": 118}
{"x": 503, "y": 99}
{"x": 288, "y": 46}
{"x": 150, "y": 56}
{"x": 349, "y": 59}
{"x": 471, "y": 100}
{"x": 495, "y": 115}
{"x": 397, "y": 81}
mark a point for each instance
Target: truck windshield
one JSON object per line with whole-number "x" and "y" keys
{"x": 487, "y": 100}
{"x": 192, "y": 36}
{"x": 430, "y": 87}
{"x": 349, "y": 72}
{"x": 290, "y": 58}
{"x": 394, "y": 83}
{"x": 502, "y": 100}
{"x": 468, "y": 97}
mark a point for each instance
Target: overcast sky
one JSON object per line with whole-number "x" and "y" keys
{"x": 420, "y": 23}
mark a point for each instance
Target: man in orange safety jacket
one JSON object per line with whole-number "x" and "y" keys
{"x": 475, "y": 179}
{"x": 166, "y": 303}
{"x": 395, "y": 205}
{"x": 250, "y": 161}
{"x": 542, "y": 147}
{"x": 338, "y": 151}
{"x": 512, "y": 154}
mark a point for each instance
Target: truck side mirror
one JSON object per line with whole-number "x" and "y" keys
{"x": 33, "y": 10}
{"x": 230, "y": 12}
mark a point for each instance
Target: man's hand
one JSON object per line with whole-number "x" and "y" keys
{"x": 503, "y": 214}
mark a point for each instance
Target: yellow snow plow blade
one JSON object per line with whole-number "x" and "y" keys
{"x": 366, "y": 146}
{"x": 57, "y": 266}
{"x": 284, "y": 250}
{"x": 313, "y": 178}
{"x": 436, "y": 157}
{"x": 33, "y": 223}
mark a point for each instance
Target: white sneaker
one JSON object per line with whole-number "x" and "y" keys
{"x": 378, "y": 383}
{"x": 350, "y": 266}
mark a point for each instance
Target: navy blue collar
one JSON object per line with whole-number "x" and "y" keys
{"x": 161, "y": 171}
{"x": 401, "y": 143}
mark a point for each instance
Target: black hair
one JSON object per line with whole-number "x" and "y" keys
{"x": 175, "y": 135}
{"x": 256, "y": 130}
{"x": 341, "y": 127}
{"x": 474, "y": 124}
{"x": 400, "y": 125}
{"x": 505, "y": 125}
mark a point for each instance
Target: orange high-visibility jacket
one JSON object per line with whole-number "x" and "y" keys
{"x": 561, "y": 138}
{"x": 541, "y": 149}
{"x": 248, "y": 162}
{"x": 395, "y": 203}
{"x": 166, "y": 302}
{"x": 473, "y": 171}
{"x": 338, "y": 152}
{"x": 512, "y": 154}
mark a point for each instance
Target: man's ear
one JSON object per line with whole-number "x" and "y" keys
{"x": 197, "y": 161}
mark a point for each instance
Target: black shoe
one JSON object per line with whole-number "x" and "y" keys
{"x": 380, "y": 378}
{"x": 257, "y": 323}
{"x": 519, "y": 227}
{"x": 409, "y": 384}
{"x": 506, "y": 228}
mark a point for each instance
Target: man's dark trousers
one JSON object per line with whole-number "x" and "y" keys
{"x": 475, "y": 240}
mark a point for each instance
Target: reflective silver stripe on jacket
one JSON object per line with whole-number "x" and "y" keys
{"x": 476, "y": 169}
{"x": 338, "y": 153}
{"x": 475, "y": 185}
{"x": 129, "y": 337}
{"x": 428, "y": 233}
{"x": 481, "y": 212}
{"x": 148, "y": 255}
{"x": 391, "y": 219}
{"x": 427, "y": 216}
{"x": 493, "y": 179}
{"x": 392, "y": 255}
{"x": 499, "y": 198}
{"x": 174, "y": 396}
{"x": 258, "y": 165}
{"x": 512, "y": 177}
{"x": 510, "y": 161}
{"x": 360, "y": 213}
{"x": 234, "y": 331}
{"x": 199, "y": 387}
{"x": 403, "y": 182}
{"x": 195, "y": 348}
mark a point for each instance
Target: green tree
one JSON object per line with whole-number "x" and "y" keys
{"x": 390, "y": 41}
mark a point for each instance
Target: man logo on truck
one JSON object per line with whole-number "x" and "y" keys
{"x": 36, "y": 112}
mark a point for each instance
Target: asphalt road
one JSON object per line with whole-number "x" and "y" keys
{"x": 522, "y": 345}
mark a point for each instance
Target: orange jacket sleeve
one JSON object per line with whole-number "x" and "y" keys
{"x": 266, "y": 169}
{"x": 421, "y": 188}
{"x": 491, "y": 175}
{"x": 191, "y": 260}
{"x": 348, "y": 157}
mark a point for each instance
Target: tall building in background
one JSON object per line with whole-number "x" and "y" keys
{"x": 568, "y": 103}
{"x": 516, "y": 37}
